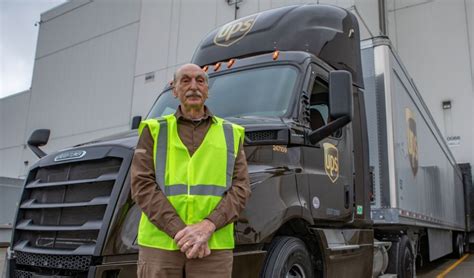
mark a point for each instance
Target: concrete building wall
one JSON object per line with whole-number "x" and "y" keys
{"x": 13, "y": 118}
{"x": 78, "y": 21}
{"x": 83, "y": 73}
{"x": 90, "y": 83}
{"x": 434, "y": 40}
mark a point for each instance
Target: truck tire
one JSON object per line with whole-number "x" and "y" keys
{"x": 458, "y": 247}
{"x": 407, "y": 259}
{"x": 287, "y": 257}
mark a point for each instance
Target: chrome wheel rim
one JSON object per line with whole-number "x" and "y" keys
{"x": 296, "y": 271}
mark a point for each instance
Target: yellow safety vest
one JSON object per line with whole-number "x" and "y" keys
{"x": 194, "y": 185}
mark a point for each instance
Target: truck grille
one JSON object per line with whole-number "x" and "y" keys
{"x": 61, "y": 214}
{"x": 54, "y": 261}
{"x": 23, "y": 274}
{"x": 262, "y": 135}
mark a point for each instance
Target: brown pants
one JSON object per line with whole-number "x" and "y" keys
{"x": 154, "y": 262}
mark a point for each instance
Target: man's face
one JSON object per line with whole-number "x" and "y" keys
{"x": 190, "y": 86}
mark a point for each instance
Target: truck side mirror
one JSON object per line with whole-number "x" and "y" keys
{"x": 340, "y": 94}
{"x": 136, "y": 122}
{"x": 38, "y": 138}
{"x": 340, "y": 105}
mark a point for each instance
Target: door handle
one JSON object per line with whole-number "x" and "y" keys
{"x": 346, "y": 196}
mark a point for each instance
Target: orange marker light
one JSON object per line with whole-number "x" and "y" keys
{"x": 217, "y": 66}
{"x": 205, "y": 68}
{"x": 276, "y": 54}
{"x": 230, "y": 63}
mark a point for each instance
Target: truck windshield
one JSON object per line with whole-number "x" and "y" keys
{"x": 254, "y": 92}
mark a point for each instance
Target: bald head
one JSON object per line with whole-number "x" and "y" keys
{"x": 187, "y": 67}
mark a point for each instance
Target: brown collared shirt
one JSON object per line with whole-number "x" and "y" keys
{"x": 147, "y": 194}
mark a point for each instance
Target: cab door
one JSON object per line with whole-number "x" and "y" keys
{"x": 327, "y": 164}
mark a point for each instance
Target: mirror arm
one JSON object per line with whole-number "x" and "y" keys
{"x": 325, "y": 131}
{"x": 39, "y": 153}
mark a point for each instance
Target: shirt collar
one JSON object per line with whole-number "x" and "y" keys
{"x": 207, "y": 113}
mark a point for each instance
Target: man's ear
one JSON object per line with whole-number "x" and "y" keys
{"x": 173, "y": 88}
{"x": 174, "y": 91}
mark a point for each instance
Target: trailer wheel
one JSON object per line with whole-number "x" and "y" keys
{"x": 287, "y": 257}
{"x": 459, "y": 246}
{"x": 407, "y": 259}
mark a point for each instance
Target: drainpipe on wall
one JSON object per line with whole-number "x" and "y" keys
{"x": 382, "y": 18}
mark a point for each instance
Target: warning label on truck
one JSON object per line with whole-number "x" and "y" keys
{"x": 412, "y": 140}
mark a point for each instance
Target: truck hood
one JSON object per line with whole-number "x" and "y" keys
{"x": 129, "y": 138}
{"x": 253, "y": 123}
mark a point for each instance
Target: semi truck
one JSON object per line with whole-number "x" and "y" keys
{"x": 350, "y": 176}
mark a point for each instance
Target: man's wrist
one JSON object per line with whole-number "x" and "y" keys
{"x": 217, "y": 218}
{"x": 210, "y": 225}
{"x": 173, "y": 227}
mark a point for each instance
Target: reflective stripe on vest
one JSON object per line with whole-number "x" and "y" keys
{"x": 194, "y": 185}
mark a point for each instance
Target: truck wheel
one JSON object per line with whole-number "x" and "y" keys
{"x": 459, "y": 246}
{"x": 407, "y": 259}
{"x": 287, "y": 257}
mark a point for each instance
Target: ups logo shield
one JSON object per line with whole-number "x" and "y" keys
{"x": 234, "y": 31}
{"x": 412, "y": 140}
{"x": 331, "y": 161}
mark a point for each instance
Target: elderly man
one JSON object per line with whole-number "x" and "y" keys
{"x": 189, "y": 177}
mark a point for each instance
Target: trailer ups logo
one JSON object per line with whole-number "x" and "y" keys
{"x": 331, "y": 161}
{"x": 234, "y": 31}
{"x": 412, "y": 140}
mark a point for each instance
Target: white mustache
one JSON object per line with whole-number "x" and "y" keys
{"x": 196, "y": 93}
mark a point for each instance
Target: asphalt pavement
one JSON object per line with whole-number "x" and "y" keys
{"x": 455, "y": 268}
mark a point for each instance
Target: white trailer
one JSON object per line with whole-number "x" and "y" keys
{"x": 417, "y": 198}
